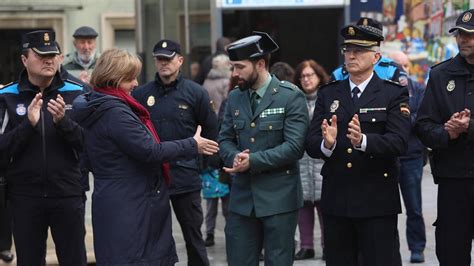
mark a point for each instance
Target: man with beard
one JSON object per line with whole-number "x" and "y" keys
{"x": 444, "y": 125}
{"x": 177, "y": 106}
{"x": 261, "y": 140}
{"x": 81, "y": 62}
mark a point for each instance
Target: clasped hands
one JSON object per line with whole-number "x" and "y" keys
{"x": 329, "y": 131}
{"x": 458, "y": 123}
{"x": 241, "y": 163}
{"x": 57, "y": 108}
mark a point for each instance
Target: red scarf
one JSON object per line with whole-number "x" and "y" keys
{"x": 144, "y": 116}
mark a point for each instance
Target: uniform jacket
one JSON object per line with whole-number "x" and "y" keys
{"x": 131, "y": 215}
{"x": 275, "y": 136}
{"x": 356, "y": 183}
{"x": 449, "y": 90}
{"x": 176, "y": 111}
{"x": 43, "y": 160}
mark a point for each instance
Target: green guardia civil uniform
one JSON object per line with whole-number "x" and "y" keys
{"x": 264, "y": 200}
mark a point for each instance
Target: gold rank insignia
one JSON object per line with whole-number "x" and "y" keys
{"x": 365, "y": 22}
{"x": 164, "y": 45}
{"x": 451, "y": 85}
{"x": 467, "y": 17}
{"x": 236, "y": 112}
{"x": 334, "y": 106}
{"x": 150, "y": 101}
{"x": 351, "y": 31}
{"x": 46, "y": 37}
{"x": 405, "y": 109}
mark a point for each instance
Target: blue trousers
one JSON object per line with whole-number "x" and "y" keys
{"x": 411, "y": 171}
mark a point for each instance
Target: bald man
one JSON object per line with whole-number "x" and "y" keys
{"x": 411, "y": 168}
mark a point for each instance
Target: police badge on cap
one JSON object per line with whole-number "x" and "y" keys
{"x": 367, "y": 32}
{"x": 166, "y": 48}
{"x": 252, "y": 47}
{"x": 465, "y": 22}
{"x": 42, "y": 42}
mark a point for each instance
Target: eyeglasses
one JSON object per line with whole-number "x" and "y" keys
{"x": 307, "y": 76}
{"x": 356, "y": 50}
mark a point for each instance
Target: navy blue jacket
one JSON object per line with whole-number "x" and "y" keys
{"x": 43, "y": 160}
{"x": 131, "y": 215}
{"x": 415, "y": 147}
{"x": 357, "y": 183}
{"x": 450, "y": 89}
{"x": 176, "y": 111}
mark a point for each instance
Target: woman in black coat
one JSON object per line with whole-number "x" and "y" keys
{"x": 131, "y": 216}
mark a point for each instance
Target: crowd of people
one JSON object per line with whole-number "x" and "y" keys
{"x": 278, "y": 146}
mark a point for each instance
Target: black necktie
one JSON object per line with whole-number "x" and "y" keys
{"x": 355, "y": 96}
{"x": 254, "y": 101}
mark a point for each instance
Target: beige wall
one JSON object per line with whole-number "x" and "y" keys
{"x": 65, "y": 16}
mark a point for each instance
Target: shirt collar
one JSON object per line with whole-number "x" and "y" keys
{"x": 362, "y": 85}
{"x": 261, "y": 91}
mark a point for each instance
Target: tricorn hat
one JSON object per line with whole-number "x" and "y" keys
{"x": 367, "y": 32}
{"x": 254, "y": 46}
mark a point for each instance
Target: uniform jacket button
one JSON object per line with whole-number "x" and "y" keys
{"x": 252, "y": 140}
{"x": 252, "y": 124}
{"x": 385, "y": 174}
{"x": 349, "y": 165}
{"x": 349, "y": 150}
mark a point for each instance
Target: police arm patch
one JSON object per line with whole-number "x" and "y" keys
{"x": 405, "y": 109}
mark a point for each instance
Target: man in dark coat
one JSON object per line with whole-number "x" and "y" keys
{"x": 360, "y": 127}
{"x": 177, "y": 106}
{"x": 206, "y": 64}
{"x": 43, "y": 143}
{"x": 261, "y": 140}
{"x": 444, "y": 125}
{"x": 411, "y": 169}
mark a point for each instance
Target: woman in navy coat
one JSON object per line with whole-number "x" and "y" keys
{"x": 131, "y": 216}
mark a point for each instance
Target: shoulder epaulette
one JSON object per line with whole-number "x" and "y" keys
{"x": 394, "y": 82}
{"x": 440, "y": 63}
{"x": 6, "y": 85}
{"x": 11, "y": 87}
{"x": 74, "y": 82}
{"x": 288, "y": 85}
{"x": 71, "y": 86}
{"x": 329, "y": 83}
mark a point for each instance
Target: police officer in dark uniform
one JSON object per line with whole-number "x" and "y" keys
{"x": 177, "y": 106}
{"x": 360, "y": 127}
{"x": 5, "y": 218}
{"x": 261, "y": 140}
{"x": 444, "y": 124}
{"x": 42, "y": 144}
{"x": 385, "y": 68}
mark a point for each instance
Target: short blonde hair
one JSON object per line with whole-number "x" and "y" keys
{"x": 115, "y": 66}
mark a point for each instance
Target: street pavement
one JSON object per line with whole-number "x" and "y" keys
{"x": 217, "y": 255}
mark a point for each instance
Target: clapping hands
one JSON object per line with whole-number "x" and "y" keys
{"x": 458, "y": 123}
